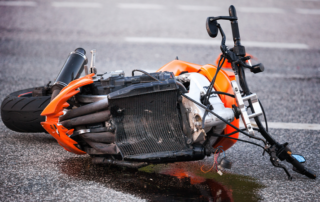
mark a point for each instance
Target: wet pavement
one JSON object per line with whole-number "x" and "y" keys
{"x": 182, "y": 181}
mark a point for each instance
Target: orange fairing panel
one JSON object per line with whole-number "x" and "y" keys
{"x": 55, "y": 109}
{"x": 222, "y": 84}
{"x": 178, "y": 66}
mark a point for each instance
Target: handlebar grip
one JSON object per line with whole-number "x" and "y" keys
{"x": 310, "y": 174}
{"x": 238, "y": 49}
{"x": 234, "y": 26}
{"x": 301, "y": 168}
{"x": 232, "y": 11}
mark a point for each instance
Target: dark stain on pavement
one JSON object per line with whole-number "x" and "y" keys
{"x": 182, "y": 181}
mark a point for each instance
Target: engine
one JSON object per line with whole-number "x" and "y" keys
{"x": 144, "y": 118}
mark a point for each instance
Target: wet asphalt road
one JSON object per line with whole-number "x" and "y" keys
{"x": 35, "y": 41}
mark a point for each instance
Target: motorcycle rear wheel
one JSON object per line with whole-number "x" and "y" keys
{"x": 20, "y": 111}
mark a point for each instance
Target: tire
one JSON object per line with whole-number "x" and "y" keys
{"x": 22, "y": 114}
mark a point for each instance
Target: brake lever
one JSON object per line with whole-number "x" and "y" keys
{"x": 275, "y": 161}
{"x": 255, "y": 68}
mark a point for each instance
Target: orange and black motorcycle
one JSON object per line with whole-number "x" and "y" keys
{"x": 182, "y": 112}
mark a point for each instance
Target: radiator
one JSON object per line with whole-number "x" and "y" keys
{"x": 147, "y": 124}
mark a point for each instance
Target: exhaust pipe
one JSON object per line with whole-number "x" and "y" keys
{"x": 104, "y": 148}
{"x": 86, "y": 109}
{"x": 102, "y": 160}
{"x": 87, "y": 119}
{"x": 106, "y": 137}
{"x": 71, "y": 70}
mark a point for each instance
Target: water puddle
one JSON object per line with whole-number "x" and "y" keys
{"x": 167, "y": 182}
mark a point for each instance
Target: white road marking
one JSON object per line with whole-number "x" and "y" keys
{"x": 269, "y": 10}
{"x": 308, "y": 11}
{"x": 275, "y": 45}
{"x": 171, "y": 41}
{"x": 280, "y": 125}
{"x": 75, "y": 4}
{"x": 282, "y": 76}
{"x": 214, "y": 42}
{"x": 260, "y": 10}
{"x": 297, "y": 126}
{"x": 198, "y": 8}
{"x": 140, "y": 6}
{"x": 240, "y": 9}
{"x": 18, "y": 3}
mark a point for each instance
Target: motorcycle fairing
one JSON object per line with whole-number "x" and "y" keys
{"x": 56, "y": 106}
{"x": 55, "y": 109}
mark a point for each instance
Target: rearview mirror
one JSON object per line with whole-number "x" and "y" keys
{"x": 299, "y": 158}
{"x": 212, "y": 27}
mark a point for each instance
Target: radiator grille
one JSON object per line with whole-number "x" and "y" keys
{"x": 147, "y": 123}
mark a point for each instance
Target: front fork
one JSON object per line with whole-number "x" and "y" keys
{"x": 275, "y": 150}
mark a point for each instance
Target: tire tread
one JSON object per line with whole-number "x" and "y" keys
{"x": 22, "y": 114}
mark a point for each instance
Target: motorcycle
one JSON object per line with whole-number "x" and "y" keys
{"x": 181, "y": 112}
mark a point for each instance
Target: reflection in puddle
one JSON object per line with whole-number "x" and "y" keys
{"x": 166, "y": 182}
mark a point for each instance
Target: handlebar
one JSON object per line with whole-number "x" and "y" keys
{"x": 300, "y": 168}
{"x": 212, "y": 26}
{"x": 236, "y": 56}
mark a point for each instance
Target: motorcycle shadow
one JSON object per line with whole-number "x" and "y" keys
{"x": 166, "y": 182}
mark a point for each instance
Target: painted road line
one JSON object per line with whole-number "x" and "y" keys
{"x": 308, "y": 11}
{"x": 18, "y": 3}
{"x": 282, "y": 76}
{"x": 214, "y": 42}
{"x": 275, "y": 45}
{"x": 140, "y": 6}
{"x": 198, "y": 8}
{"x": 302, "y": 126}
{"x": 75, "y": 4}
{"x": 280, "y": 125}
{"x": 260, "y": 10}
{"x": 240, "y": 9}
{"x": 269, "y": 10}
{"x": 171, "y": 41}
